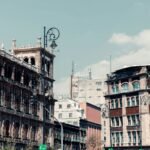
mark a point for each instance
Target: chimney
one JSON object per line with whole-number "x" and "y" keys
{"x": 13, "y": 44}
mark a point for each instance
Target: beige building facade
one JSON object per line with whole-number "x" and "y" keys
{"x": 128, "y": 116}
{"x": 86, "y": 89}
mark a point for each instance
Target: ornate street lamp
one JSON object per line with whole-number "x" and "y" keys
{"x": 50, "y": 36}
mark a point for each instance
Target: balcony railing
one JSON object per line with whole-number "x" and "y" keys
{"x": 17, "y": 60}
{"x": 20, "y": 114}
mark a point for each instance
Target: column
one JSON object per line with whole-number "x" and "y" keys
{"x": 12, "y": 129}
{"x": 13, "y": 73}
{"x": 22, "y": 77}
{"x": 2, "y": 128}
{"x": 130, "y": 85}
{"x": 29, "y": 132}
{"x": 3, "y": 69}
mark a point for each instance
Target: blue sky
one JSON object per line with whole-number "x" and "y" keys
{"x": 85, "y": 25}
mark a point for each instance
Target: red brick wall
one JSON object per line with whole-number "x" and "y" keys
{"x": 93, "y": 114}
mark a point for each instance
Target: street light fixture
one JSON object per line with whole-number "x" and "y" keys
{"x": 50, "y": 36}
{"x": 34, "y": 101}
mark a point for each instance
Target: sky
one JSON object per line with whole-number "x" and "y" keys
{"x": 90, "y": 32}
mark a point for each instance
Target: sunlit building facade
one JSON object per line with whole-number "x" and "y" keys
{"x": 21, "y": 81}
{"x": 128, "y": 100}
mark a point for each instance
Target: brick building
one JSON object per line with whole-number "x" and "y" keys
{"x": 92, "y": 115}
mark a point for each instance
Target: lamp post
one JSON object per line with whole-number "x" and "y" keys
{"x": 50, "y": 36}
{"x": 34, "y": 101}
{"x": 62, "y": 132}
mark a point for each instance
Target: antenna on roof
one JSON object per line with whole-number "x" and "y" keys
{"x": 73, "y": 68}
{"x": 2, "y": 46}
{"x": 110, "y": 64}
{"x": 90, "y": 74}
{"x": 71, "y": 85}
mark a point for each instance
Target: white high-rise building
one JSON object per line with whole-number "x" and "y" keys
{"x": 87, "y": 90}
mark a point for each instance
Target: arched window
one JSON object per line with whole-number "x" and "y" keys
{"x": 26, "y": 59}
{"x": 125, "y": 87}
{"x": 115, "y": 88}
{"x": 33, "y": 133}
{"x": 25, "y": 131}
{"x": 136, "y": 85}
{"x": 33, "y": 61}
{"x": 16, "y": 130}
{"x": 6, "y": 128}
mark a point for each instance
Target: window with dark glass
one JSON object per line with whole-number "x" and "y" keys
{"x": 129, "y": 137}
{"x": 115, "y": 88}
{"x": 133, "y": 101}
{"x": 116, "y": 102}
{"x": 136, "y": 85}
{"x": 128, "y": 101}
{"x": 124, "y": 87}
{"x": 68, "y": 105}
{"x": 120, "y": 100}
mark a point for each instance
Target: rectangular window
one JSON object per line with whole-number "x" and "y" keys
{"x": 60, "y": 106}
{"x": 116, "y": 102}
{"x": 113, "y": 122}
{"x": 112, "y": 104}
{"x": 139, "y": 137}
{"x": 129, "y": 137}
{"x": 137, "y": 100}
{"x": 117, "y": 138}
{"x": 133, "y": 101}
{"x": 121, "y": 135}
{"x": 60, "y": 115}
{"x": 134, "y": 137}
{"x": 113, "y": 138}
{"x": 128, "y": 102}
{"x": 120, "y": 102}
{"x": 121, "y": 121}
{"x": 129, "y": 120}
{"x": 133, "y": 120}
{"x": 68, "y": 106}
{"x": 117, "y": 121}
{"x": 70, "y": 115}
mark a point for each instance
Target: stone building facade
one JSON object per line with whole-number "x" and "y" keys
{"x": 128, "y": 100}
{"x": 26, "y": 75}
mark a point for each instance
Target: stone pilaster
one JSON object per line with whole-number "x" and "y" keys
{"x": 3, "y": 69}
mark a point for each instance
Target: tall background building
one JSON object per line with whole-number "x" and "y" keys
{"x": 86, "y": 89}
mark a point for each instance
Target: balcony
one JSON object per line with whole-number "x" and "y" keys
{"x": 134, "y": 127}
{"x": 115, "y": 112}
{"x": 20, "y": 114}
{"x": 17, "y": 60}
{"x": 120, "y": 92}
{"x": 116, "y": 129}
{"x": 132, "y": 110}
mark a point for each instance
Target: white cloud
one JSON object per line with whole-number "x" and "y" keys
{"x": 120, "y": 38}
{"x": 141, "y": 39}
{"x": 139, "y": 56}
